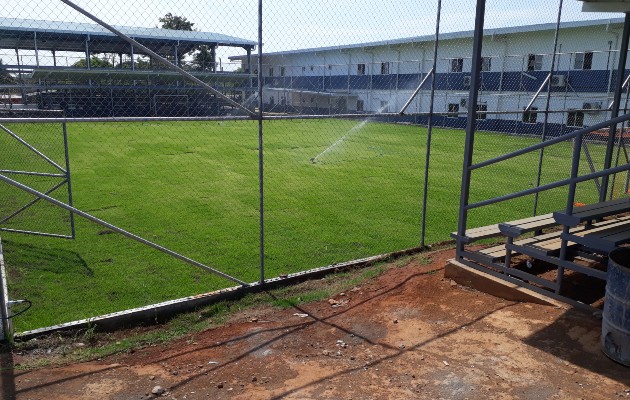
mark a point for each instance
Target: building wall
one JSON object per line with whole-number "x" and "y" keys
{"x": 390, "y": 73}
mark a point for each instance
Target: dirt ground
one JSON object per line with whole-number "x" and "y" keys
{"x": 408, "y": 334}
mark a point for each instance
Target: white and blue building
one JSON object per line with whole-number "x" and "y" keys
{"x": 381, "y": 76}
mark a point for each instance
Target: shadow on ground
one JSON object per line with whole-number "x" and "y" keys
{"x": 574, "y": 337}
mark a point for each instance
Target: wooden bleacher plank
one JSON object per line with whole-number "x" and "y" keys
{"x": 495, "y": 253}
{"x": 518, "y": 228}
{"x": 498, "y": 252}
{"x": 603, "y": 239}
{"x": 548, "y": 243}
{"x": 489, "y": 231}
{"x": 593, "y": 211}
{"x": 482, "y": 232}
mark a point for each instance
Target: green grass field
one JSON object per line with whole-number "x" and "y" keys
{"x": 334, "y": 191}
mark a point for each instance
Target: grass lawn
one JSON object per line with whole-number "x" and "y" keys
{"x": 334, "y": 191}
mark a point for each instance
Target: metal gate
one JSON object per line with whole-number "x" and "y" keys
{"x": 28, "y": 159}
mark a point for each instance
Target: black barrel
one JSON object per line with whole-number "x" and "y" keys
{"x": 616, "y": 317}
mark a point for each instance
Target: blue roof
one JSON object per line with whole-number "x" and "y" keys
{"x": 16, "y": 25}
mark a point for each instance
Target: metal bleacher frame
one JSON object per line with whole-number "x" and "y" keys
{"x": 594, "y": 238}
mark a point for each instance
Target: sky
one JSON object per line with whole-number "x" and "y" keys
{"x": 294, "y": 24}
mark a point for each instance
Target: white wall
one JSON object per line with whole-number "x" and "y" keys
{"x": 509, "y": 53}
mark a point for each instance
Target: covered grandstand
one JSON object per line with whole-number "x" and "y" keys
{"x": 88, "y": 71}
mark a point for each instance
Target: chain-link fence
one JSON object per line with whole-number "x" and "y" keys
{"x": 344, "y": 140}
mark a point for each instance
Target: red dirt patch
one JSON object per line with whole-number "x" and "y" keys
{"x": 407, "y": 334}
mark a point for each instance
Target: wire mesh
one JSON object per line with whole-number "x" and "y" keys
{"x": 346, "y": 93}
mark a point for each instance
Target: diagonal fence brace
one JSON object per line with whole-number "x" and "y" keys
{"x": 31, "y": 148}
{"x": 117, "y": 229}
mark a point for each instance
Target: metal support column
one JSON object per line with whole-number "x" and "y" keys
{"x": 575, "y": 166}
{"x": 470, "y": 125}
{"x": 621, "y": 69}
{"x": 36, "y": 49}
{"x": 88, "y": 62}
{"x": 133, "y": 62}
{"x": 176, "y": 54}
{"x": 213, "y": 58}
{"x": 249, "y": 61}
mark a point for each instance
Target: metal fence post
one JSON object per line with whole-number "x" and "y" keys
{"x": 429, "y": 127}
{"x": 260, "y": 145}
{"x": 6, "y": 329}
{"x": 547, "y": 104}
{"x": 470, "y": 124}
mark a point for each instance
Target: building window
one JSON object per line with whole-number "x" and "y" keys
{"x": 530, "y": 117}
{"x": 385, "y": 68}
{"x": 486, "y": 63}
{"x": 360, "y": 69}
{"x": 583, "y": 60}
{"x": 282, "y": 71}
{"x": 453, "y": 108}
{"x": 534, "y": 62}
{"x": 457, "y": 65}
{"x": 271, "y": 71}
{"x": 575, "y": 118}
{"x": 360, "y": 105}
{"x": 481, "y": 108}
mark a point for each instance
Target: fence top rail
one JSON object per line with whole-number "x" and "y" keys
{"x": 280, "y": 116}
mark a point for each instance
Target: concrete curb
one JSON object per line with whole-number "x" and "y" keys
{"x": 487, "y": 283}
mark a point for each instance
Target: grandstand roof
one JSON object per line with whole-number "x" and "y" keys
{"x": 71, "y": 36}
{"x": 449, "y": 36}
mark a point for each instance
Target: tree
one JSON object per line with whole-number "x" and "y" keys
{"x": 140, "y": 63}
{"x": 203, "y": 59}
{"x": 5, "y": 76}
{"x": 175, "y": 22}
{"x": 95, "y": 62}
